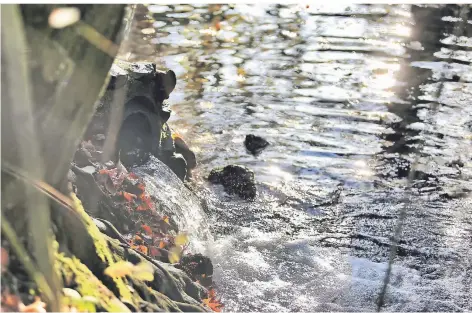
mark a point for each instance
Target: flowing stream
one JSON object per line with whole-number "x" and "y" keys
{"x": 351, "y": 98}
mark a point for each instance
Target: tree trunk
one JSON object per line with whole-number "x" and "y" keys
{"x": 51, "y": 79}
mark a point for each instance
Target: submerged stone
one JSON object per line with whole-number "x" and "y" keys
{"x": 236, "y": 179}
{"x": 255, "y": 144}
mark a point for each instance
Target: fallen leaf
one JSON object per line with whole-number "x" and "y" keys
{"x": 162, "y": 244}
{"x": 143, "y": 249}
{"x": 174, "y": 254}
{"x": 154, "y": 252}
{"x": 119, "y": 269}
{"x": 147, "y": 229}
{"x": 241, "y": 71}
{"x": 166, "y": 219}
{"x": 128, "y": 196}
{"x": 142, "y": 208}
{"x": 181, "y": 239}
{"x": 143, "y": 271}
{"x": 147, "y": 200}
{"x": 133, "y": 176}
{"x": 212, "y": 302}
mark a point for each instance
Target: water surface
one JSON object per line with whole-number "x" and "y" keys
{"x": 351, "y": 97}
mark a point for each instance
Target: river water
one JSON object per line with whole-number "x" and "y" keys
{"x": 351, "y": 98}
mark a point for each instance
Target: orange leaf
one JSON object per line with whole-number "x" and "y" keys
{"x": 147, "y": 229}
{"x": 215, "y": 306}
{"x": 128, "y": 196}
{"x": 103, "y": 171}
{"x": 212, "y": 302}
{"x": 162, "y": 244}
{"x": 166, "y": 219}
{"x": 141, "y": 208}
{"x": 147, "y": 200}
{"x": 143, "y": 249}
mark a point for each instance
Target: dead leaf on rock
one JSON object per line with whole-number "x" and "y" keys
{"x": 212, "y": 302}
{"x": 181, "y": 239}
{"x": 119, "y": 269}
{"x": 147, "y": 229}
{"x": 174, "y": 254}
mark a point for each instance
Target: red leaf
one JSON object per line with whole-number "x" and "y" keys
{"x": 103, "y": 172}
{"x": 142, "y": 208}
{"x": 128, "y": 196}
{"x": 133, "y": 176}
{"x": 154, "y": 252}
{"x": 147, "y": 229}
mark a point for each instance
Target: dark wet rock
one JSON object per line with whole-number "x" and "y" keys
{"x": 255, "y": 144}
{"x": 177, "y": 163}
{"x": 198, "y": 267}
{"x": 82, "y": 157}
{"x": 236, "y": 179}
{"x": 455, "y": 163}
{"x": 134, "y": 140}
{"x": 182, "y": 148}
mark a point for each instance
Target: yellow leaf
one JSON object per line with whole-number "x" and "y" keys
{"x": 119, "y": 269}
{"x": 143, "y": 271}
{"x": 181, "y": 239}
{"x": 241, "y": 71}
{"x": 174, "y": 254}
